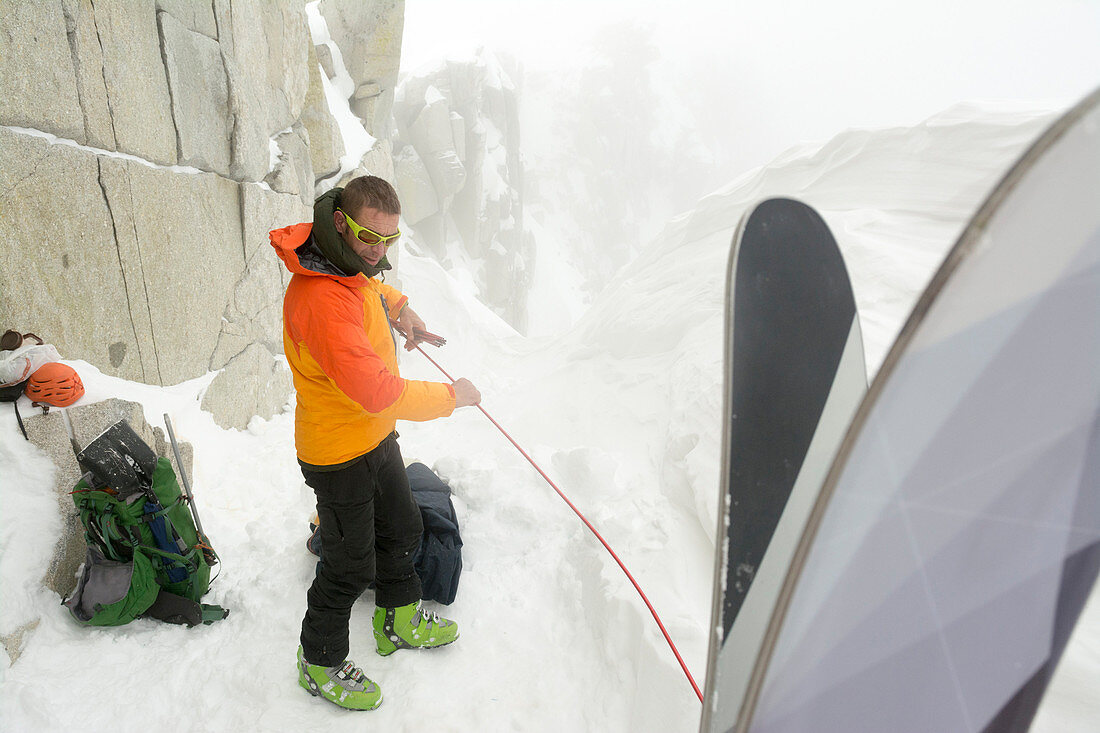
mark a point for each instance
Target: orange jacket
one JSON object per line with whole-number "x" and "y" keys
{"x": 343, "y": 356}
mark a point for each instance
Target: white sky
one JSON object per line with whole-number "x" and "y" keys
{"x": 779, "y": 72}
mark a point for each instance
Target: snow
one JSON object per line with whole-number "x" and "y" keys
{"x": 433, "y": 96}
{"x": 739, "y": 69}
{"x": 622, "y": 411}
{"x": 357, "y": 141}
{"x": 274, "y": 151}
{"x": 25, "y": 546}
{"x": 55, "y": 140}
{"x": 554, "y": 299}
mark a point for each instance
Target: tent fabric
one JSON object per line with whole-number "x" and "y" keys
{"x": 961, "y": 536}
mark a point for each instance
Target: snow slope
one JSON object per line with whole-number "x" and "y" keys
{"x": 623, "y": 411}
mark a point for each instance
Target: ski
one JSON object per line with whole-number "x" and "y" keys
{"x": 796, "y": 375}
{"x": 956, "y": 537}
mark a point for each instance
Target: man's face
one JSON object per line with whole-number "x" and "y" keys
{"x": 373, "y": 219}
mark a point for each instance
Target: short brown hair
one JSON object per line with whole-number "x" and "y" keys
{"x": 369, "y": 192}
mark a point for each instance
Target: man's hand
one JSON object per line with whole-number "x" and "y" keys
{"x": 411, "y": 323}
{"x": 466, "y": 393}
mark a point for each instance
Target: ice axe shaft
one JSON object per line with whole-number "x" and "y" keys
{"x": 187, "y": 489}
{"x": 73, "y": 442}
{"x": 72, "y": 434}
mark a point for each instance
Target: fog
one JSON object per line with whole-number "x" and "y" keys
{"x": 632, "y": 111}
{"x": 757, "y": 77}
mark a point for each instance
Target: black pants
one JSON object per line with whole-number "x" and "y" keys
{"x": 370, "y": 530}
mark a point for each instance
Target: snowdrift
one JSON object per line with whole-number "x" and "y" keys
{"x": 623, "y": 411}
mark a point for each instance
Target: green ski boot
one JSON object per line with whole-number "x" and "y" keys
{"x": 343, "y": 685}
{"x": 411, "y": 627}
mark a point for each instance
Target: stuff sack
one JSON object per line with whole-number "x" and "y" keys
{"x": 438, "y": 560}
{"x": 19, "y": 359}
{"x": 136, "y": 521}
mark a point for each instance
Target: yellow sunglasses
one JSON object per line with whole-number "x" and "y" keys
{"x": 369, "y": 236}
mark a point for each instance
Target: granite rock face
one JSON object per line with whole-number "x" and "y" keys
{"x": 200, "y": 96}
{"x": 324, "y": 57}
{"x": 252, "y": 316}
{"x": 253, "y": 383}
{"x": 68, "y": 289}
{"x": 265, "y": 48}
{"x": 147, "y": 147}
{"x": 195, "y": 16}
{"x": 369, "y": 36}
{"x": 87, "y": 55}
{"x": 136, "y": 80}
{"x": 293, "y": 169}
{"x": 459, "y": 173}
{"x": 191, "y": 255}
{"x": 33, "y": 36}
{"x": 168, "y": 137}
{"x": 433, "y": 139}
{"x": 326, "y": 144}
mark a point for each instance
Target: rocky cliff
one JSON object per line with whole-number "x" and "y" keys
{"x": 146, "y": 148}
{"x": 460, "y": 175}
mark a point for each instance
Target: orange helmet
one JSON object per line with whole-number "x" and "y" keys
{"x": 55, "y": 384}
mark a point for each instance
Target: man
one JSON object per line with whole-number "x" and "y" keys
{"x": 342, "y": 353}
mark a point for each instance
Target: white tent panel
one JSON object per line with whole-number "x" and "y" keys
{"x": 963, "y": 515}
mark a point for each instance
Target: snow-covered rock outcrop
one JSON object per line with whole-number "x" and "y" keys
{"x": 895, "y": 199}
{"x": 459, "y": 172}
{"x": 369, "y": 37}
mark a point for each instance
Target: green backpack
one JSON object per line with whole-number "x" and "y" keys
{"x": 145, "y": 556}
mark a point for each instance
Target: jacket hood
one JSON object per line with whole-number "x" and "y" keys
{"x": 332, "y": 245}
{"x": 318, "y": 249}
{"x": 299, "y": 252}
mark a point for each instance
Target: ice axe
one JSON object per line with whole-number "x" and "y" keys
{"x": 86, "y": 475}
{"x": 207, "y": 553}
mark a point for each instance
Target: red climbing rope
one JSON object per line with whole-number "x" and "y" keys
{"x": 576, "y": 511}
